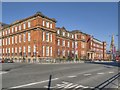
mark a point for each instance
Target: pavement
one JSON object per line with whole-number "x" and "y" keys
{"x": 77, "y": 76}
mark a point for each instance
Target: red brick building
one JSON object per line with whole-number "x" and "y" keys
{"x": 30, "y": 38}
{"x": 37, "y": 38}
{"x": 2, "y": 25}
{"x": 97, "y": 49}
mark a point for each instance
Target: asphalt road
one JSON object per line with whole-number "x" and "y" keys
{"x": 76, "y": 76}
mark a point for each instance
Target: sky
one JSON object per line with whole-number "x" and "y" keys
{"x": 99, "y": 19}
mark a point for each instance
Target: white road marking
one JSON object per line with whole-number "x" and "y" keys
{"x": 87, "y": 74}
{"x": 2, "y": 72}
{"x": 67, "y": 85}
{"x": 25, "y": 85}
{"x": 91, "y": 87}
{"x": 73, "y": 86}
{"x": 110, "y": 72}
{"x": 81, "y": 86}
{"x": 100, "y": 73}
{"x": 71, "y": 76}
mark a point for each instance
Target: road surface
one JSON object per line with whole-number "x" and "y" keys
{"x": 77, "y": 76}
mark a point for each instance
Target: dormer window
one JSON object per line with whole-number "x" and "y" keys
{"x": 68, "y": 35}
{"x": 47, "y": 24}
{"x": 83, "y": 37}
{"x": 63, "y": 33}
{"x": 9, "y": 31}
{"x": 6, "y": 32}
{"x": 19, "y": 27}
{"x": 24, "y": 26}
{"x": 76, "y": 36}
{"x": 12, "y": 29}
{"x": 3, "y": 33}
{"x": 50, "y": 25}
{"x": 29, "y": 24}
{"x": 58, "y": 31}
{"x": 43, "y": 23}
{"x": 16, "y": 28}
{"x": 72, "y": 36}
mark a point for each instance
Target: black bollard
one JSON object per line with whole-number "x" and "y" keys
{"x": 49, "y": 84}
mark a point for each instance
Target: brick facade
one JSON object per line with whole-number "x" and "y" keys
{"x": 37, "y": 37}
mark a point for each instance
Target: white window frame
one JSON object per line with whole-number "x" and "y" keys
{"x": 76, "y": 44}
{"x": 29, "y": 24}
{"x": 68, "y": 52}
{"x": 51, "y": 51}
{"x": 6, "y": 50}
{"x": 63, "y": 42}
{"x": 20, "y": 38}
{"x": 19, "y": 27}
{"x": 6, "y": 41}
{"x": 9, "y": 31}
{"x": 3, "y": 33}
{"x": 24, "y": 26}
{"x": 72, "y": 44}
{"x": 0, "y": 33}
{"x": 58, "y": 51}
{"x": 16, "y": 39}
{"x": 24, "y": 37}
{"x": 20, "y": 49}
{"x": 63, "y": 33}
{"x": 50, "y": 25}
{"x": 63, "y": 52}
{"x": 12, "y": 50}
{"x": 9, "y": 40}
{"x": 29, "y": 49}
{"x": 29, "y": 36}
{"x": 72, "y": 36}
{"x": 47, "y": 50}
{"x": 83, "y": 36}
{"x": 24, "y": 49}
{"x": 0, "y": 42}
{"x": 12, "y": 39}
{"x": 58, "y": 31}
{"x": 68, "y": 44}
{"x": 6, "y": 32}
{"x": 3, "y": 50}
{"x": 12, "y": 29}
{"x": 58, "y": 42}
{"x": 15, "y": 49}
{"x": 3, "y": 42}
{"x": 68, "y": 34}
{"x": 43, "y": 50}
{"x": 75, "y": 36}
{"x": 34, "y": 48}
{"x": 47, "y": 36}
{"x": 43, "y": 22}
{"x": 43, "y": 36}
{"x": 51, "y": 37}
{"x": 16, "y": 29}
{"x": 47, "y": 24}
{"x": 83, "y": 45}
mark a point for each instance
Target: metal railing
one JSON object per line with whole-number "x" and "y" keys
{"x": 106, "y": 83}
